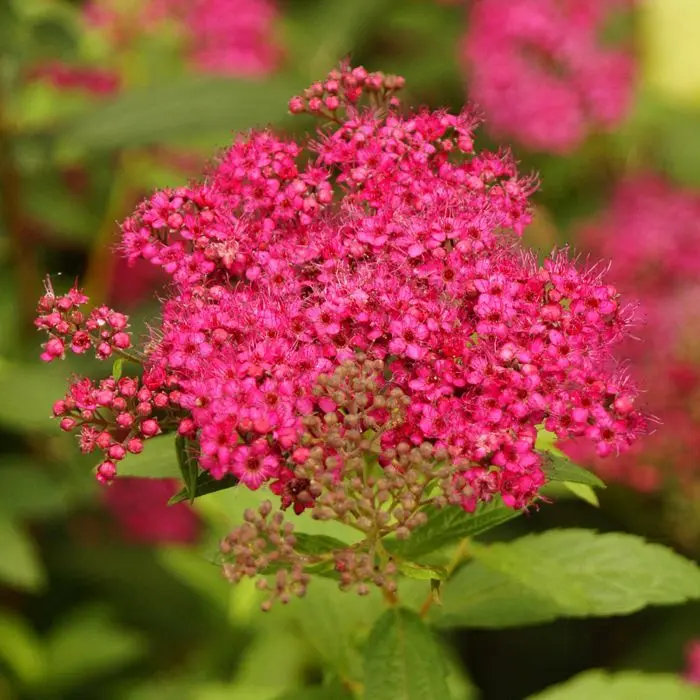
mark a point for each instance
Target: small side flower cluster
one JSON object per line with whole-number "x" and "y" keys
{"x": 102, "y": 329}
{"x": 541, "y": 72}
{"x": 352, "y": 325}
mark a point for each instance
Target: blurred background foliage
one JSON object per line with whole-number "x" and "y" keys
{"x": 112, "y": 596}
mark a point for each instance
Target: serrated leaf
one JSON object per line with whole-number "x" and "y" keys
{"x": 622, "y": 686}
{"x": 448, "y": 525}
{"x": 335, "y": 623}
{"x": 166, "y": 112}
{"x": 205, "y": 484}
{"x": 403, "y": 660}
{"x": 480, "y": 598}
{"x": 189, "y": 465}
{"x": 20, "y": 566}
{"x": 157, "y": 461}
{"x": 559, "y": 468}
{"x": 566, "y": 573}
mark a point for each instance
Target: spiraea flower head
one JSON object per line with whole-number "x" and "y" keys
{"x": 542, "y": 72}
{"x": 352, "y": 326}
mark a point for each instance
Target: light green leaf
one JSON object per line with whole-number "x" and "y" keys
{"x": 20, "y": 648}
{"x": 584, "y": 492}
{"x": 31, "y": 390}
{"x": 403, "y": 661}
{"x": 422, "y": 572}
{"x": 20, "y": 566}
{"x": 157, "y": 461}
{"x": 448, "y": 525}
{"x": 480, "y": 598}
{"x": 117, "y": 368}
{"x": 622, "y": 686}
{"x": 166, "y": 112}
{"x": 334, "y": 623}
{"x": 560, "y": 468}
{"x": 566, "y": 573}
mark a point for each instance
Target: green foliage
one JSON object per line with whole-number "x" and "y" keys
{"x": 448, "y": 525}
{"x": 566, "y": 573}
{"x": 202, "y": 485}
{"x": 159, "y": 460}
{"x": 163, "y": 113}
{"x": 189, "y": 465}
{"x": 560, "y": 468}
{"x": 621, "y": 686}
{"x": 403, "y": 661}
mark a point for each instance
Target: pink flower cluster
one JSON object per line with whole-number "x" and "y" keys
{"x": 88, "y": 79}
{"x": 387, "y": 237}
{"x": 652, "y": 233}
{"x": 541, "y": 73}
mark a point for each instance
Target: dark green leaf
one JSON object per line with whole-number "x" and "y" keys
{"x": 189, "y": 465}
{"x": 317, "y": 544}
{"x": 448, "y": 525}
{"x": 559, "y": 468}
{"x": 205, "y": 484}
{"x": 632, "y": 685}
{"x": 403, "y": 660}
{"x": 167, "y": 112}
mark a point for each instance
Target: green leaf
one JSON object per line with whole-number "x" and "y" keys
{"x": 403, "y": 661}
{"x": 584, "y": 492}
{"x": 204, "y": 484}
{"x": 566, "y": 573}
{"x": 33, "y": 389}
{"x": 560, "y": 468}
{"x": 449, "y": 525}
{"x": 317, "y": 544}
{"x": 117, "y": 368}
{"x": 335, "y": 624}
{"x": 28, "y": 491}
{"x": 423, "y": 572}
{"x": 20, "y": 566}
{"x": 189, "y": 464}
{"x": 20, "y": 647}
{"x": 89, "y": 644}
{"x": 622, "y": 686}
{"x": 157, "y": 461}
{"x": 166, "y": 112}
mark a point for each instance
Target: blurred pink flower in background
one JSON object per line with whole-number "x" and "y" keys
{"x": 692, "y": 671}
{"x": 540, "y": 71}
{"x": 139, "y": 506}
{"x": 652, "y": 232}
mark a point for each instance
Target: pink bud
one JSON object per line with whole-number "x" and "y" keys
{"x": 68, "y": 424}
{"x": 150, "y": 427}
{"x": 106, "y": 472}
{"x": 116, "y": 452}
{"x": 135, "y": 446}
